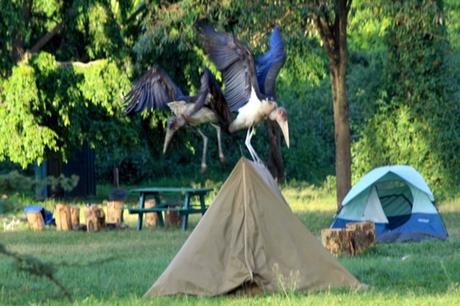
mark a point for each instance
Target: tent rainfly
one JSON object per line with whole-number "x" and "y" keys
{"x": 249, "y": 237}
{"x": 399, "y": 202}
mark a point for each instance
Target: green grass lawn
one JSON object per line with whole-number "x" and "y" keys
{"x": 117, "y": 267}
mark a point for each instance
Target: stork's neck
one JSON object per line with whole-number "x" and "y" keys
{"x": 253, "y": 97}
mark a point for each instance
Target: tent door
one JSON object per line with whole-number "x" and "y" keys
{"x": 396, "y": 199}
{"x": 373, "y": 210}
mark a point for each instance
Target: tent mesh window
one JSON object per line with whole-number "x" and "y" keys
{"x": 396, "y": 199}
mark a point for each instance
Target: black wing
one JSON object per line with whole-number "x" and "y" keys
{"x": 269, "y": 64}
{"x": 154, "y": 90}
{"x": 234, "y": 60}
{"x": 211, "y": 95}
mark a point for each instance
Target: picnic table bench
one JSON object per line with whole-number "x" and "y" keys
{"x": 188, "y": 206}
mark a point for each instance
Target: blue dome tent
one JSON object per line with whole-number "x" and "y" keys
{"x": 399, "y": 202}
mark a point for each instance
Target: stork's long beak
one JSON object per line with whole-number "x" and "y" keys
{"x": 168, "y": 137}
{"x": 285, "y": 129}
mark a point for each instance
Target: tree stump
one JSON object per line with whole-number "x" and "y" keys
{"x": 100, "y": 217}
{"x": 338, "y": 241}
{"x": 95, "y": 218}
{"x": 35, "y": 221}
{"x": 151, "y": 219}
{"x": 115, "y": 212}
{"x": 63, "y": 217}
{"x": 172, "y": 216}
{"x": 75, "y": 217}
{"x": 363, "y": 235}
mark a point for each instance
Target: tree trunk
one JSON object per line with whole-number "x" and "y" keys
{"x": 342, "y": 132}
{"x": 338, "y": 241}
{"x": 151, "y": 219}
{"x": 334, "y": 37}
{"x": 63, "y": 217}
{"x": 95, "y": 218}
{"x": 35, "y": 221}
{"x": 75, "y": 217}
{"x": 115, "y": 212}
{"x": 275, "y": 159}
{"x": 363, "y": 235}
{"x": 19, "y": 49}
{"x": 116, "y": 177}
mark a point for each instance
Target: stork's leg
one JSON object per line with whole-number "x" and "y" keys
{"x": 219, "y": 143}
{"x": 253, "y": 132}
{"x": 204, "y": 166}
{"x": 247, "y": 142}
{"x": 250, "y": 133}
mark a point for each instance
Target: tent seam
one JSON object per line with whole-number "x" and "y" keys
{"x": 245, "y": 234}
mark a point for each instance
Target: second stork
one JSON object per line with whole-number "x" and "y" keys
{"x": 156, "y": 89}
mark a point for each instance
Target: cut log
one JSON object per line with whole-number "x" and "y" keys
{"x": 363, "y": 235}
{"x": 35, "y": 221}
{"x": 115, "y": 212}
{"x": 172, "y": 216}
{"x": 338, "y": 241}
{"x": 63, "y": 217}
{"x": 151, "y": 219}
{"x": 100, "y": 217}
{"x": 95, "y": 218}
{"x": 75, "y": 217}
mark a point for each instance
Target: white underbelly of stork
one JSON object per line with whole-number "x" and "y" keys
{"x": 204, "y": 115}
{"x": 251, "y": 113}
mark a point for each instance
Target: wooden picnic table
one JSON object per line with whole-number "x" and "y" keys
{"x": 188, "y": 207}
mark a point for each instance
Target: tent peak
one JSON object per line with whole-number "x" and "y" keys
{"x": 405, "y": 172}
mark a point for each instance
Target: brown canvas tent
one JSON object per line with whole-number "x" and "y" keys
{"x": 249, "y": 235}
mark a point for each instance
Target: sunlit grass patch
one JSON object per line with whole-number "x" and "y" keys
{"x": 118, "y": 267}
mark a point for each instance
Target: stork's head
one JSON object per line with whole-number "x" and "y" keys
{"x": 174, "y": 123}
{"x": 280, "y": 115}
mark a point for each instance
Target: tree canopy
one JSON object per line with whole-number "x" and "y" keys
{"x": 65, "y": 66}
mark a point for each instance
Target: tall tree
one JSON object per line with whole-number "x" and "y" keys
{"x": 60, "y": 79}
{"x": 331, "y": 20}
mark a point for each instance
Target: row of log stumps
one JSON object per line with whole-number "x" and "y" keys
{"x": 67, "y": 217}
{"x": 355, "y": 239}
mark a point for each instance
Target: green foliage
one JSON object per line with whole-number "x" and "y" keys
{"x": 24, "y": 137}
{"x": 14, "y": 185}
{"x": 15, "y": 182}
{"x": 96, "y": 22}
{"x": 8, "y": 22}
{"x": 49, "y": 106}
{"x": 416, "y": 117}
{"x": 452, "y": 16}
{"x": 61, "y": 182}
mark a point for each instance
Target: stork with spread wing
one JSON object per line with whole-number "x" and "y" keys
{"x": 155, "y": 90}
{"x": 249, "y": 86}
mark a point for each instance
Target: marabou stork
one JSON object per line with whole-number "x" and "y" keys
{"x": 249, "y": 86}
{"x": 155, "y": 89}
